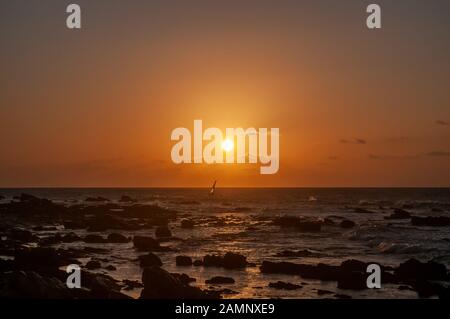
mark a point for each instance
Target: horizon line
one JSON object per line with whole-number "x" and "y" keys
{"x": 223, "y": 187}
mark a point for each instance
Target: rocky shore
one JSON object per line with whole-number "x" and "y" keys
{"x": 33, "y": 264}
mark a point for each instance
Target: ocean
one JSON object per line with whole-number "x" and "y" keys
{"x": 240, "y": 220}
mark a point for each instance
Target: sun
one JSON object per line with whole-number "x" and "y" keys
{"x": 227, "y": 145}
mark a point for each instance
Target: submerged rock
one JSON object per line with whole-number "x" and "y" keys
{"x": 439, "y": 221}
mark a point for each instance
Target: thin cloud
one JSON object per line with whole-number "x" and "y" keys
{"x": 353, "y": 141}
{"x": 438, "y": 153}
{"x": 444, "y": 123}
{"x": 398, "y": 157}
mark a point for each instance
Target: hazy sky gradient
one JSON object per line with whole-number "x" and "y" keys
{"x": 95, "y": 107}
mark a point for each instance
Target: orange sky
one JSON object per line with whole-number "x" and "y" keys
{"x": 96, "y": 107}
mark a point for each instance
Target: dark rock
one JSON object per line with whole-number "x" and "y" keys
{"x": 93, "y": 264}
{"x": 117, "y": 238}
{"x": 218, "y": 280}
{"x": 162, "y": 231}
{"x": 229, "y": 261}
{"x": 359, "y": 210}
{"x": 328, "y": 221}
{"x": 404, "y": 287}
{"x": 159, "y": 284}
{"x": 320, "y": 271}
{"x": 110, "y": 268}
{"x": 439, "y": 221}
{"x": 70, "y": 238}
{"x": 353, "y": 265}
{"x": 322, "y": 292}
{"x": 102, "y": 286}
{"x": 29, "y": 205}
{"x": 346, "y": 223}
{"x": 70, "y": 224}
{"x": 284, "y": 285}
{"x": 22, "y": 235}
{"x": 233, "y": 261}
{"x": 225, "y": 291}
{"x": 351, "y": 274}
{"x": 38, "y": 259}
{"x": 399, "y": 214}
{"x": 352, "y": 280}
{"x": 183, "y": 261}
{"x": 29, "y": 284}
{"x": 287, "y": 221}
{"x": 127, "y": 199}
{"x": 414, "y": 270}
{"x": 150, "y": 260}
{"x": 96, "y": 199}
{"x": 310, "y": 226}
{"x": 44, "y": 228}
{"x": 144, "y": 243}
{"x": 27, "y": 198}
{"x": 212, "y": 261}
{"x": 94, "y": 239}
{"x": 187, "y": 223}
